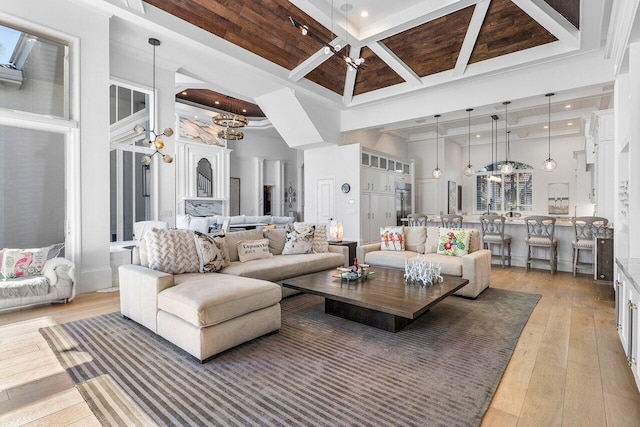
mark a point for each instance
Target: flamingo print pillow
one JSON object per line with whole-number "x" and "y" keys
{"x": 18, "y": 263}
{"x": 453, "y": 241}
{"x": 392, "y": 238}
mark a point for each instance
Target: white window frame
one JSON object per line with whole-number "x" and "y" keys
{"x": 120, "y": 148}
{"x": 67, "y": 127}
{"x": 503, "y": 210}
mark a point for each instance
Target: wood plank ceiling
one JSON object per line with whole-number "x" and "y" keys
{"x": 263, "y": 28}
{"x": 219, "y": 101}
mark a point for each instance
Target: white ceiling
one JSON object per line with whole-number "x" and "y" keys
{"x": 377, "y": 10}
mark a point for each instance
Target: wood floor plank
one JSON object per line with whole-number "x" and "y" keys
{"x": 543, "y": 403}
{"x": 583, "y": 399}
{"x": 24, "y": 394}
{"x": 496, "y": 418}
{"x": 25, "y": 375}
{"x": 90, "y": 421}
{"x": 621, "y": 412}
{"x": 63, "y": 417}
{"x": 583, "y": 344}
{"x": 554, "y": 348}
{"x": 41, "y": 408}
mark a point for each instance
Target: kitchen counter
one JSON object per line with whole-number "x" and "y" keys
{"x": 631, "y": 268}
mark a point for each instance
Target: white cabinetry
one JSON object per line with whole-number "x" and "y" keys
{"x": 378, "y": 175}
{"x": 628, "y": 319}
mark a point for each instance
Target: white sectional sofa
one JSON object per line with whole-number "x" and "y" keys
{"x": 475, "y": 266}
{"x": 205, "y": 314}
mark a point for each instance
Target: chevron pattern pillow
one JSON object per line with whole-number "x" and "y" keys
{"x": 172, "y": 251}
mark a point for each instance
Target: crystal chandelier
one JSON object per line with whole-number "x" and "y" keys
{"x": 230, "y": 121}
{"x": 155, "y": 139}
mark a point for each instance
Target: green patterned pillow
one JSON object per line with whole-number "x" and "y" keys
{"x": 453, "y": 241}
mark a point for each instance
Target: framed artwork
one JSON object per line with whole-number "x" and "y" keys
{"x": 452, "y": 204}
{"x": 558, "y": 198}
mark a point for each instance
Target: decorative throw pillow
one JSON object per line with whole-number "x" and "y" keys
{"x": 299, "y": 240}
{"x": 414, "y": 238}
{"x": 392, "y": 238}
{"x": 320, "y": 241}
{"x": 253, "y": 249}
{"x": 17, "y": 263}
{"x": 277, "y": 239}
{"x": 211, "y": 253}
{"x": 172, "y": 251}
{"x": 453, "y": 241}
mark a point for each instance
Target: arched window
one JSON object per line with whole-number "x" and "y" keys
{"x": 506, "y": 193}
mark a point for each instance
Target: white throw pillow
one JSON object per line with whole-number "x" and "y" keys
{"x": 392, "y": 238}
{"x": 172, "y": 251}
{"x": 18, "y": 263}
{"x": 253, "y": 249}
{"x": 299, "y": 240}
{"x": 415, "y": 238}
{"x": 212, "y": 253}
{"x": 199, "y": 224}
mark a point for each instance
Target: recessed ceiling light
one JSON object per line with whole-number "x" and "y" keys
{"x": 567, "y": 106}
{"x": 569, "y": 123}
{"x": 346, "y": 7}
{"x": 546, "y": 126}
{"x": 244, "y": 111}
{"x": 195, "y": 117}
{"x": 217, "y": 102}
{"x": 478, "y": 136}
{"x": 184, "y": 92}
{"x": 364, "y": 13}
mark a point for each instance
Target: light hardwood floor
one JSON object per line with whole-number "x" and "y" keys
{"x": 568, "y": 367}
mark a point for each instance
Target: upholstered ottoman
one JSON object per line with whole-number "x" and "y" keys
{"x": 212, "y": 313}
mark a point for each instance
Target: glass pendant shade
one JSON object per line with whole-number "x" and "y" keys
{"x": 468, "y": 171}
{"x": 506, "y": 168}
{"x": 437, "y": 173}
{"x": 549, "y": 165}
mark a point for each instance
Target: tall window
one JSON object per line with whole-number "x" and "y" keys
{"x": 131, "y": 187}
{"x": 509, "y": 192}
{"x": 34, "y": 175}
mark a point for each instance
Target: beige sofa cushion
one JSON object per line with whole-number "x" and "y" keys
{"x": 231, "y": 240}
{"x": 277, "y": 238}
{"x": 433, "y": 235}
{"x": 215, "y": 298}
{"x": 392, "y": 259}
{"x": 475, "y": 239}
{"x": 451, "y": 265}
{"x": 253, "y": 249}
{"x": 415, "y": 238}
{"x": 282, "y": 267}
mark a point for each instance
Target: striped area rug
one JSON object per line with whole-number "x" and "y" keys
{"x": 320, "y": 370}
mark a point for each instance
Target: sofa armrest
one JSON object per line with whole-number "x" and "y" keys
{"x": 361, "y": 251}
{"x": 344, "y": 250}
{"x": 139, "y": 289}
{"x": 476, "y": 267}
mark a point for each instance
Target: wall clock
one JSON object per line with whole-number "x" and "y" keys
{"x": 346, "y": 188}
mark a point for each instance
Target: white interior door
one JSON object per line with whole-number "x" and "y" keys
{"x": 427, "y": 196}
{"x": 325, "y": 202}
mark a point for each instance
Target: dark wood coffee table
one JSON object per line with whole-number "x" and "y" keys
{"x": 382, "y": 300}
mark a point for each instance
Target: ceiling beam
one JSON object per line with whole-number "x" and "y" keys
{"x": 313, "y": 61}
{"x": 396, "y": 64}
{"x": 136, "y": 5}
{"x": 350, "y": 79}
{"x": 405, "y": 19}
{"x": 479, "y": 13}
{"x": 552, "y": 20}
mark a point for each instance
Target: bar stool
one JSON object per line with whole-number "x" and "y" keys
{"x": 493, "y": 234}
{"x": 585, "y": 228}
{"x": 417, "y": 220}
{"x": 540, "y": 233}
{"x": 452, "y": 221}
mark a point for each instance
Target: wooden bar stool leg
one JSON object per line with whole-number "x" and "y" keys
{"x": 502, "y": 254}
{"x": 528, "y": 258}
{"x": 509, "y": 254}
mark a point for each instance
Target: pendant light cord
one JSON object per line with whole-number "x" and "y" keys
{"x": 437, "y": 144}
{"x": 469, "y": 131}
{"x": 549, "y": 127}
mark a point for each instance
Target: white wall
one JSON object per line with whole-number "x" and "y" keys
{"x": 372, "y": 138}
{"x": 267, "y": 144}
{"x": 342, "y": 163}
{"x": 88, "y": 32}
